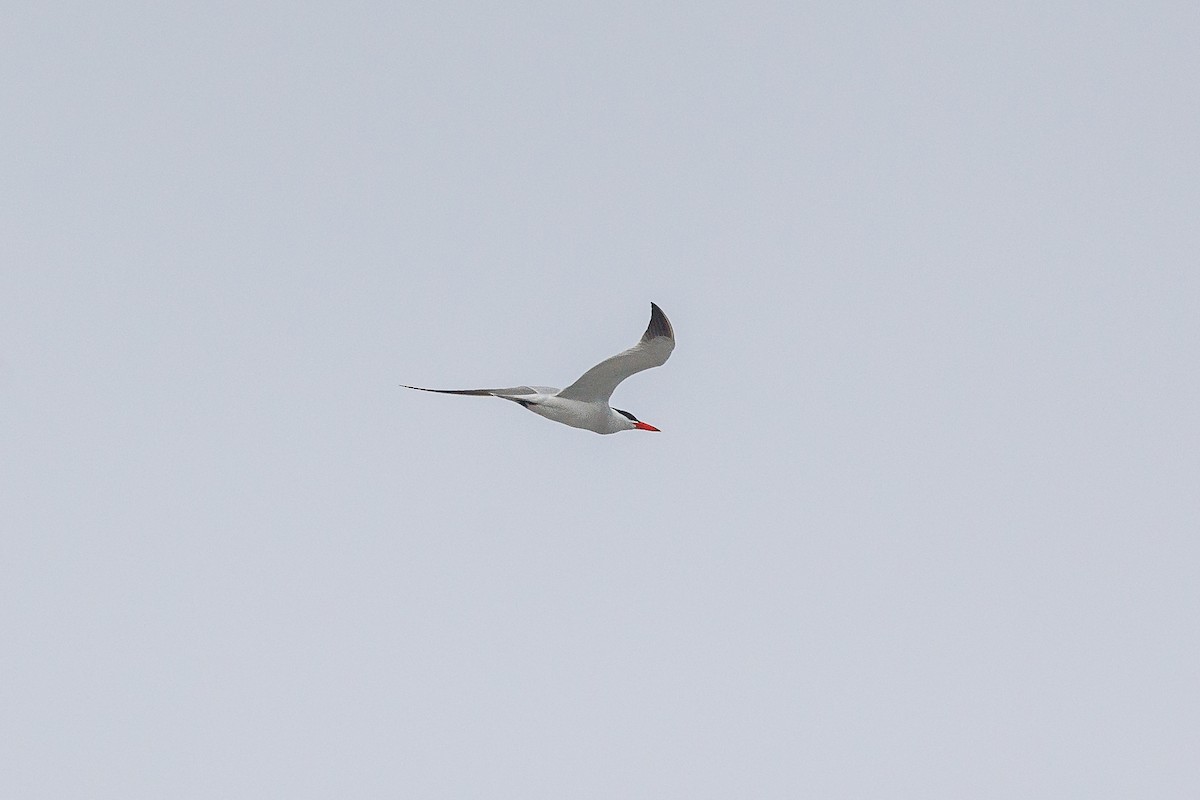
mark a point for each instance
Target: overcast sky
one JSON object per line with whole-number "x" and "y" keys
{"x": 922, "y": 521}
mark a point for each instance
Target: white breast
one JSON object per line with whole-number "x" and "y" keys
{"x": 578, "y": 414}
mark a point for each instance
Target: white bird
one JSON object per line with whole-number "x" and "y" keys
{"x": 584, "y": 404}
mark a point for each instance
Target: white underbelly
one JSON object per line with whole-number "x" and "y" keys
{"x": 576, "y": 414}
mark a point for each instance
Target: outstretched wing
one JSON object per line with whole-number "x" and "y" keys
{"x": 598, "y": 383}
{"x": 518, "y": 394}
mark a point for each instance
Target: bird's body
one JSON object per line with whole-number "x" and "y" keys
{"x": 584, "y": 404}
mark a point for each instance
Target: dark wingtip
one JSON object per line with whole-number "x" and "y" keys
{"x": 659, "y": 324}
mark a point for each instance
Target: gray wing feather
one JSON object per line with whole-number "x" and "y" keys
{"x": 524, "y": 395}
{"x": 598, "y": 383}
{"x": 515, "y": 391}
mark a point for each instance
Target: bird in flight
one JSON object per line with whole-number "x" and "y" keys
{"x": 584, "y": 404}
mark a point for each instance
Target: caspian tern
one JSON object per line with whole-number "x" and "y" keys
{"x": 584, "y": 404}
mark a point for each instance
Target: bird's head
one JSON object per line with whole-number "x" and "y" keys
{"x": 633, "y": 423}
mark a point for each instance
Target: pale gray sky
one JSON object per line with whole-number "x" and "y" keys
{"x": 923, "y": 519}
